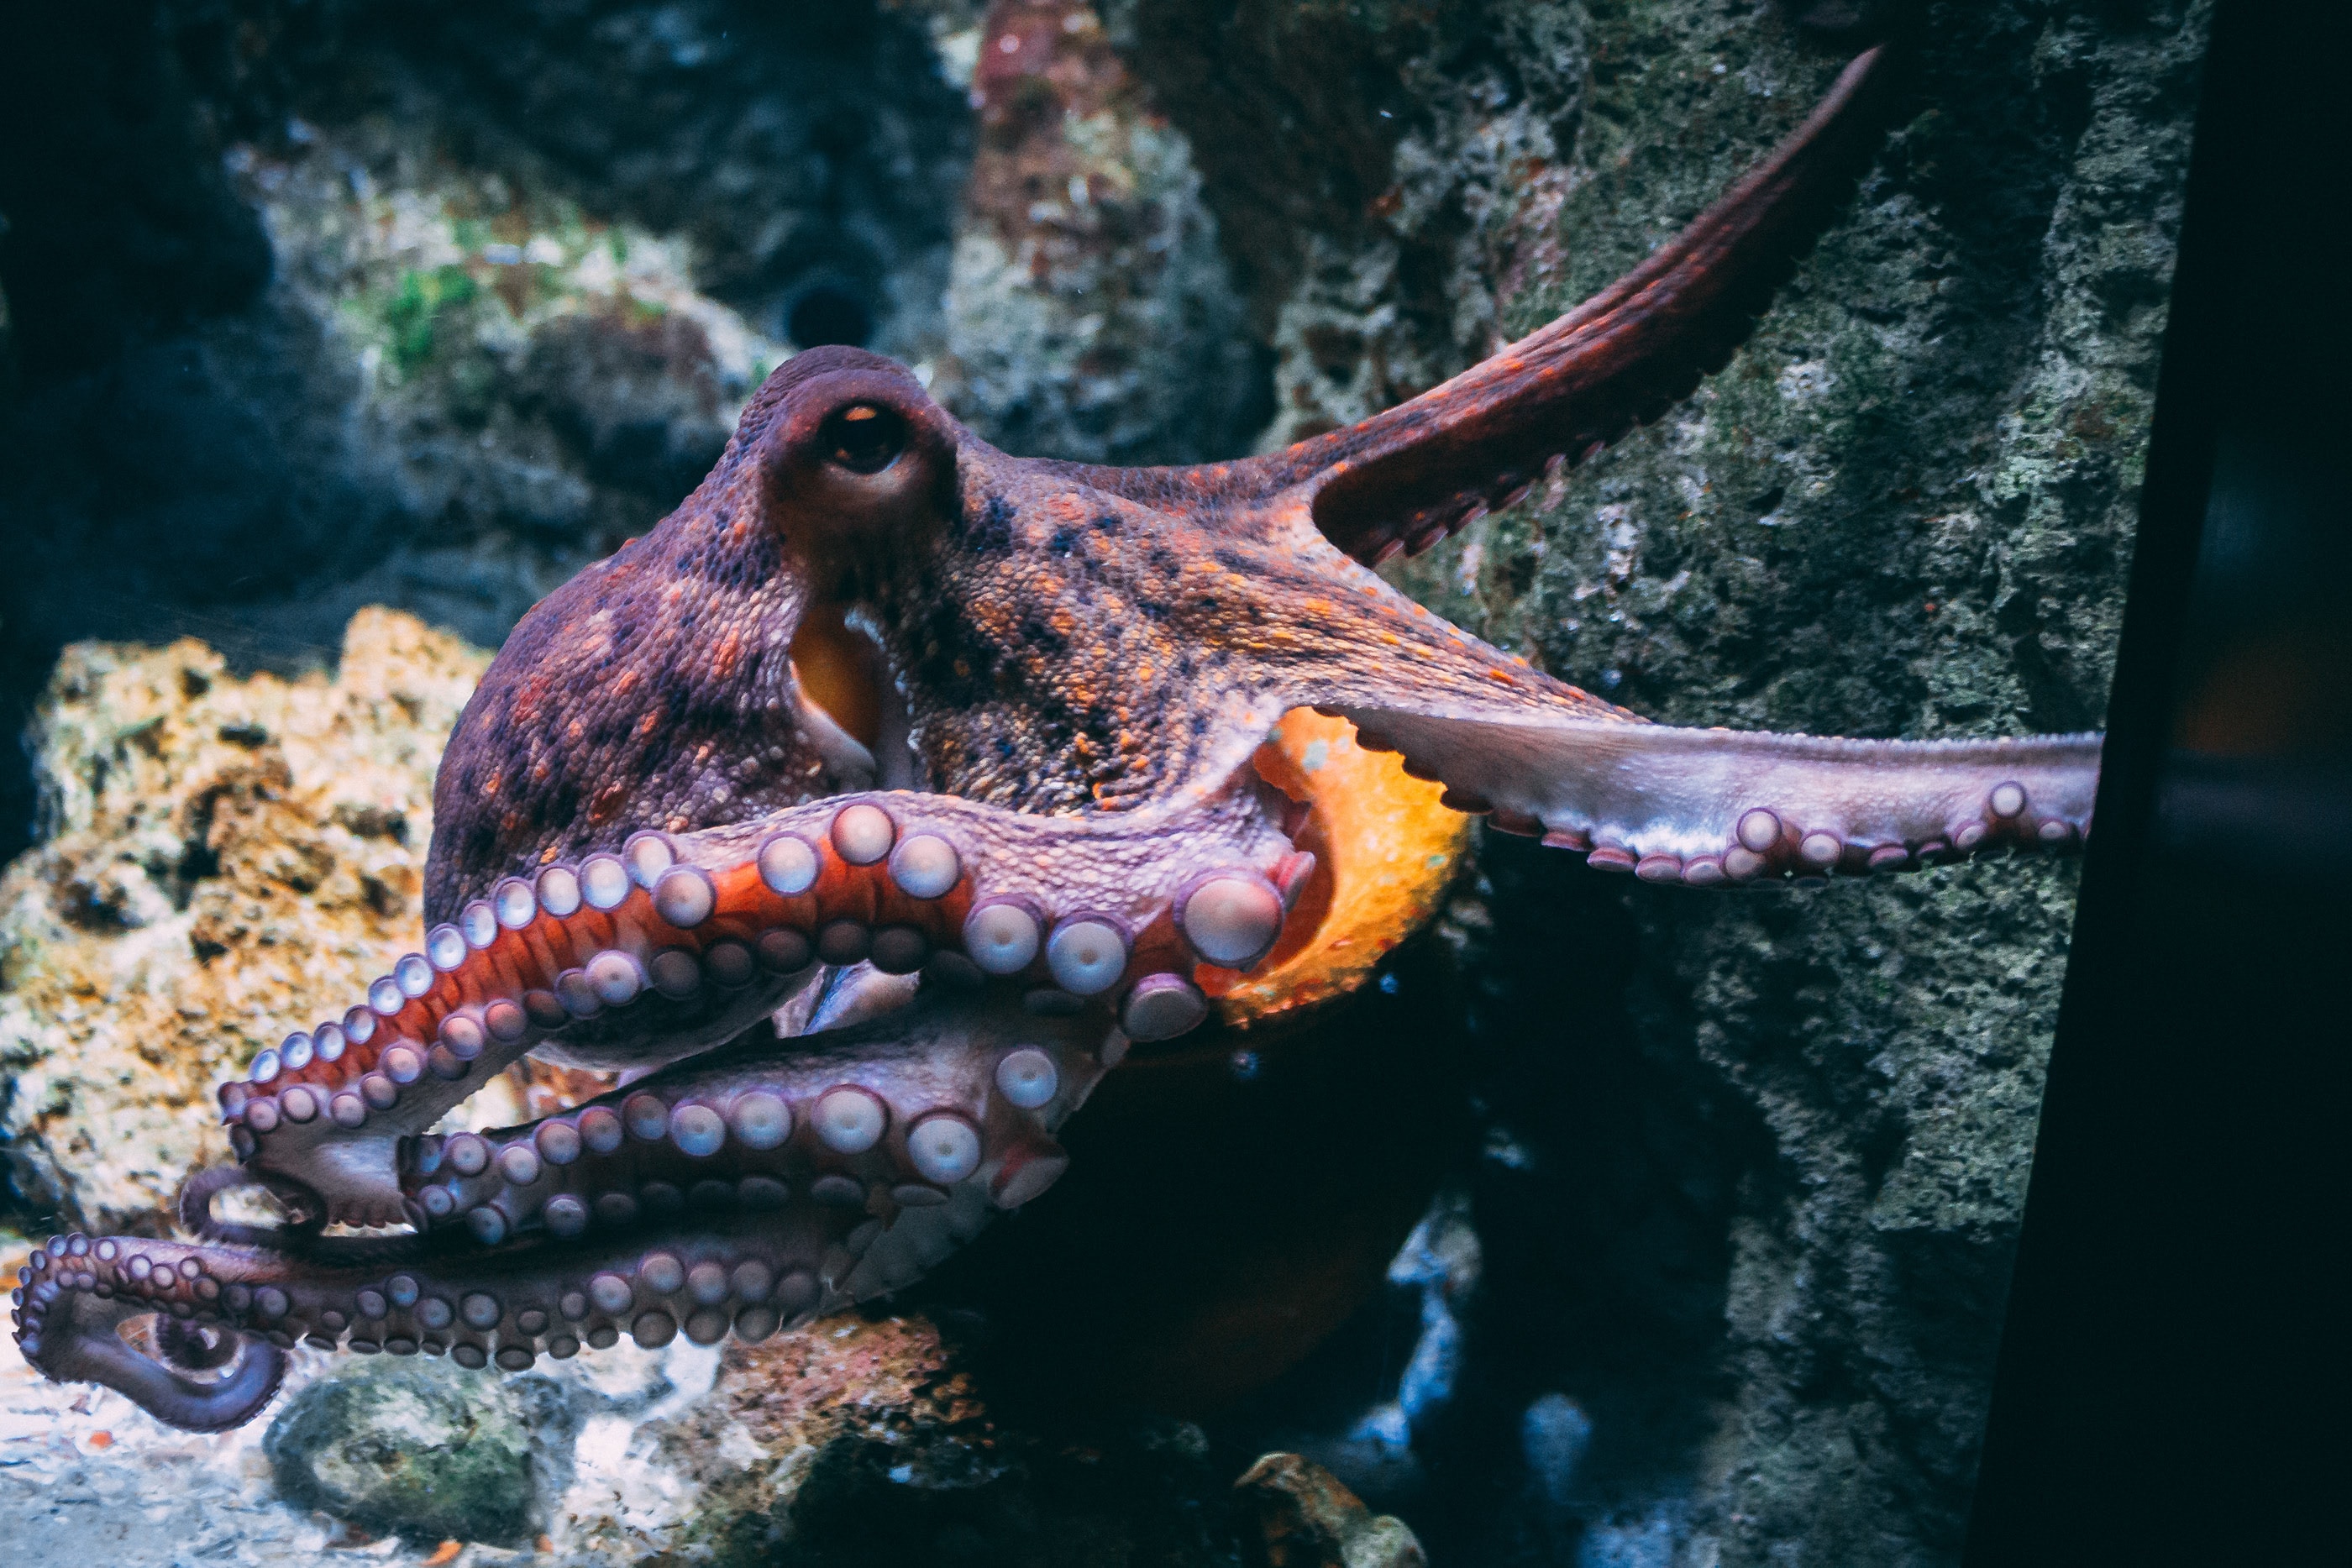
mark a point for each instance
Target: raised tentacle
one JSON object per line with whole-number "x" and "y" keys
{"x": 1406, "y": 478}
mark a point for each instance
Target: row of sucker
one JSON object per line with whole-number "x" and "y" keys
{"x": 704, "y": 952}
{"x": 1770, "y": 846}
{"x": 1776, "y": 846}
{"x": 697, "y": 1140}
{"x": 743, "y": 1279}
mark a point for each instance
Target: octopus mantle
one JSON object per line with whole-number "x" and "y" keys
{"x": 869, "y": 807}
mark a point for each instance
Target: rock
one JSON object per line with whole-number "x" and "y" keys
{"x": 1145, "y": 1492}
{"x": 1756, "y": 1163}
{"x": 1091, "y": 315}
{"x": 423, "y": 1449}
{"x": 1308, "y": 1519}
{"x": 1348, "y": 159}
{"x": 1906, "y": 507}
{"x": 221, "y": 860}
{"x": 716, "y": 1466}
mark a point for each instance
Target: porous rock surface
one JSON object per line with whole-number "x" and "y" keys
{"x": 222, "y": 860}
{"x": 1753, "y": 1165}
{"x": 419, "y": 1449}
{"x": 1091, "y": 313}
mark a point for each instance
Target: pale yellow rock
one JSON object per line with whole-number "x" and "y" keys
{"x": 220, "y": 861}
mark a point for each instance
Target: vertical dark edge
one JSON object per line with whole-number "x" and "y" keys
{"x": 2160, "y": 1370}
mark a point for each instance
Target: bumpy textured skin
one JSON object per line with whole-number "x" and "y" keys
{"x": 931, "y": 908}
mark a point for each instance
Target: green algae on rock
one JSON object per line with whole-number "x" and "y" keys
{"x": 423, "y": 1449}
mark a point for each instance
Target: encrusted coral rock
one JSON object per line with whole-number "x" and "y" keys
{"x": 220, "y": 859}
{"x": 703, "y": 1455}
{"x": 1090, "y": 313}
{"x": 423, "y": 1449}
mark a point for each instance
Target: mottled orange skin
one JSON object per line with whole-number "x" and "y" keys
{"x": 1385, "y": 849}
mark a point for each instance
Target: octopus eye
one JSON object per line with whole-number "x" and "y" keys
{"x": 864, "y": 437}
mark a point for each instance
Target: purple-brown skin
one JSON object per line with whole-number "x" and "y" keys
{"x": 651, "y": 835}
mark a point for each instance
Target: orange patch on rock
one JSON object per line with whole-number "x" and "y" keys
{"x": 1384, "y": 852}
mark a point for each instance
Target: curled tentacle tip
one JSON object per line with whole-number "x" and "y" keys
{"x": 202, "y": 1377}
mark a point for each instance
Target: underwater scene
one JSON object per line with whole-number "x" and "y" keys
{"x": 1160, "y": 782}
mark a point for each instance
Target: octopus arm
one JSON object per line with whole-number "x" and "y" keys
{"x": 195, "y": 1334}
{"x": 948, "y": 1101}
{"x": 78, "y": 1299}
{"x": 820, "y": 1171}
{"x": 1542, "y": 757}
{"x": 1711, "y": 807}
{"x": 1406, "y": 478}
{"x": 679, "y": 942}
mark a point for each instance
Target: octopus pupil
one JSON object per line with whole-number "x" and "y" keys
{"x": 865, "y": 438}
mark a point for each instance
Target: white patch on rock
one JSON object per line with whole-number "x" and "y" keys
{"x": 1806, "y": 381}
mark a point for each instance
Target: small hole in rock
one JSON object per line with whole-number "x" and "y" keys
{"x": 829, "y": 313}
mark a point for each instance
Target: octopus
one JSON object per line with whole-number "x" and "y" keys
{"x": 868, "y": 811}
